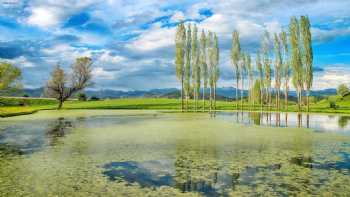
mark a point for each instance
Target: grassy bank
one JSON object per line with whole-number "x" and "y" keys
{"x": 20, "y": 106}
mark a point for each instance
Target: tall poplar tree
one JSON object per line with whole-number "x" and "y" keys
{"x": 180, "y": 43}
{"x": 195, "y": 65}
{"x": 286, "y": 67}
{"x": 215, "y": 62}
{"x": 278, "y": 68}
{"x": 267, "y": 66}
{"x": 203, "y": 63}
{"x": 250, "y": 73}
{"x": 210, "y": 62}
{"x": 242, "y": 70}
{"x": 307, "y": 55}
{"x": 235, "y": 57}
{"x": 261, "y": 77}
{"x": 188, "y": 65}
{"x": 296, "y": 61}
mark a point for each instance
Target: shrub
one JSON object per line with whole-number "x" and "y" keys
{"x": 94, "y": 98}
{"x": 82, "y": 97}
{"x": 333, "y": 105}
{"x": 342, "y": 90}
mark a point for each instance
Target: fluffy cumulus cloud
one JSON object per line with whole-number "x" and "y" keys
{"x": 100, "y": 73}
{"x": 332, "y": 76}
{"x": 132, "y": 42}
{"x": 153, "y": 39}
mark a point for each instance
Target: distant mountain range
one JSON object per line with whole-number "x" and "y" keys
{"x": 226, "y": 93}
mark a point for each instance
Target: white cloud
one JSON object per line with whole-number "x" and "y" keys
{"x": 45, "y": 17}
{"x": 52, "y": 13}
{"x": 65, "y": 54}
{"x": 153, "y": 39}
{"x": 100, "y": 73}
{"x": 322, "y": 35}
{"x": 332, "y": 77}
{"x": 177, "y": 16}
{"x": 218, "y": 23}
{"x": 106, "y": 57}
{"x": 273, "y": 26}
{"x": 249, "y": 29}
{"x": 22, "y": 62}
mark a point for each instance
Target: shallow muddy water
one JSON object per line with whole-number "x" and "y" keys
{"x": 149, "y": 153}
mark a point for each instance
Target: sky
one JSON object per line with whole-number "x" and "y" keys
{"x": 132, "y": 42}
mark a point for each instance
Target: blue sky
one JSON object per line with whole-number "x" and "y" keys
{"x": 132, "y": 42}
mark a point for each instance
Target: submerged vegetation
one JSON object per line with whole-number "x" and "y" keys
{"x": 251, "y": 143}
{"x": 135, "y": 153}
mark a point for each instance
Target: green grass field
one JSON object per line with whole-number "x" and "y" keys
{"x": 20, "y": 106}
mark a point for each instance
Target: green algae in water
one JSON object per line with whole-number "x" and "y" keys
{"x": 137, "y": 153}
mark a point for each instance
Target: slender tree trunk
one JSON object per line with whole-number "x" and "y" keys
{"x": 270, "y": 99}
{"x": 237, "y": 81}
{"x": 286, "y": 98}
{"x": 203, "y": 99}
{"x": 252, "y": 98}
{"x": 215, "y": 98}
{"x": 249, "y": 95}
{"x": 182, "y": 94}
{"x": 278, "y": 99}
{"x": 210, "y": 98}
{"x": 261, "y": 96}
{"x": 308, "y": 100}
{"x": 187, "y": 95}
{"x": 194, "y": 98}
{"x": 299, "y": 99}
{"x": 60, "y": 104}
{"x": 242, "y": 84}
{"x": 261, "y": 100}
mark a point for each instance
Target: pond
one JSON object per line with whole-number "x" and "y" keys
{"x": 150, "y": 153}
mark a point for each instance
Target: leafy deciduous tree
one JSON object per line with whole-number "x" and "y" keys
{"x": 267, "y": 66}
{"x": 235, "y": 57}
{"x": 188, "y": 65}
{"x": 286, "y": 67}
{"x": 62, "y": 86}
{"x": 307, "y": 55}
{"x": 9, "y": 76}
{"x": 180, "y": 41}
{"x": 261, "y": 77}
{"x": 204, "y": 66}
{"x": 296, "y": 58}
{"x": 278, "y": 68}
{"x": 342, "y": 90}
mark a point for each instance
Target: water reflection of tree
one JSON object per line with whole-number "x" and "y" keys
{"x": 255, "y": 117}
{"x": 198, "y": 168}
{"x": 343, "y": 121}
{"x": 57, "y": 129}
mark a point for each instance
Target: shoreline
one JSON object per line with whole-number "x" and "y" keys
{"x": 21, "y": 113}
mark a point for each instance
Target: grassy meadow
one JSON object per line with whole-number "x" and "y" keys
{"x": 12, "y": 106}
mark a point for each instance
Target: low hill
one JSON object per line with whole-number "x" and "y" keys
{"x": 224, "y": 93}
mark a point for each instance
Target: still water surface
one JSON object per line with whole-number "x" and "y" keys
{"x": 140, "y": 153}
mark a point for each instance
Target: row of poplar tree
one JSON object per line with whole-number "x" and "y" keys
{"x": 291, "y": 59}
{"x": 197, "y": 62}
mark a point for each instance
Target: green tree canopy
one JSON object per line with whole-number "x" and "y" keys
{"x": 9, "y": 76}
{"x": 342, "y": 90}
{"x": 62, "y": 86}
